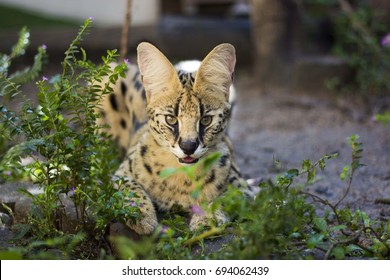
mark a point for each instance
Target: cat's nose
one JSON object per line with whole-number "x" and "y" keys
{"x": 189, "y": 146}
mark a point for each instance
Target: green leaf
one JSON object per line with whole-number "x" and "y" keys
{"x": 321, "y": 164}
{"x": 210, "y": 161}
{"x": 311, "y": 175}
{"x": 292, "y": 173}
{"x": 167, "y": 172}
{"x": 306, "y": 165}
{"x": 352, "y": 248}
{"x": 315, "y": 240}
{"x": 352, "y": 140}
{"x": 345, "y": 215}
{"x": 321, "y": 224}
{"x": 345, "y": 172}
{"x": 388, "y": 228}
{"x": 365, "y": 218}
{"x": 338, "y": 252}
{"x": 338, "y": 228}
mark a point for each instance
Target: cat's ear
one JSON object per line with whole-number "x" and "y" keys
{"x": 215, "y": 74}
{"x": 158, "y": 74}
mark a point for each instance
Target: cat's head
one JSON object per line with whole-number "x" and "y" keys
{"x": 187, "y": 117}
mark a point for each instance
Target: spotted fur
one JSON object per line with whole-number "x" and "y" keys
{"x": 167, "y": 117}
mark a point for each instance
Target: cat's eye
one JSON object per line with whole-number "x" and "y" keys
{"x": 206, "y": 120}
{"x": 171, "y": 120}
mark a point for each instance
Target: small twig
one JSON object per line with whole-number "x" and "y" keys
{"x": 347, "y": 190}
{"x": 304, "y": 243}
{"x": 327, "y": 254}
{"x": 125, "y": 31}
{"x": 382, "y": 200}
{"x": 8, "y": 209}
{"x": 345, "y": 241}
{"x": 356, "y": 150}
{"x": 324, "y": 202}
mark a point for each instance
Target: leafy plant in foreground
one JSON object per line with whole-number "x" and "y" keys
{"x": 70, "y": 161}
{"x": 280, "y": 222}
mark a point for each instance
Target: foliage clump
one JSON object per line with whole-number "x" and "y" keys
{"x": 360, "y": 36}
{"x": 280, "y": 222}
{"x": 360, "y": 39}
{"x": 69, "y": 160}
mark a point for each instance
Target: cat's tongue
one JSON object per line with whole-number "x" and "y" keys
{"x": 189, "y": 160}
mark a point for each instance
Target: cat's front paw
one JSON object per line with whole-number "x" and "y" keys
{"x": 204, "y": 220}
{"x": 146, "y": 224}
{"x": 197, "y": 221}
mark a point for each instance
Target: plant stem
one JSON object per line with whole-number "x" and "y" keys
{"x": 212, "y": 232}
{"x": 378, "y": 237}
{"x": 345, "y": 241}
{"x": 383, "y": 200}
{"x": 347, "y": 190}
{"x": 324, "y": 202}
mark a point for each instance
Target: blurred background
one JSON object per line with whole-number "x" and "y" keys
{"x": 181, "y": 28}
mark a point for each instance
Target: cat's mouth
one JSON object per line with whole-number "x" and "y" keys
{"x": 188, "y": 160}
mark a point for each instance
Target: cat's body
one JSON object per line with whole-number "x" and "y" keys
{"x": 170, "y": 119}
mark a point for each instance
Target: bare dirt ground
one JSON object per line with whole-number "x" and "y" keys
{"x": 291, "y": 127}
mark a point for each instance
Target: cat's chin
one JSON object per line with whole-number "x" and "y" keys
{"x": 188, "y": 160}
